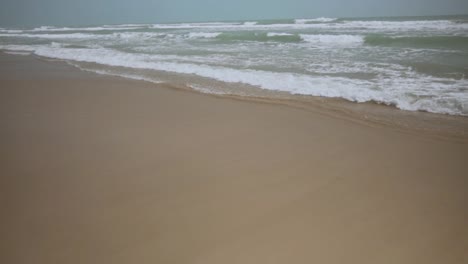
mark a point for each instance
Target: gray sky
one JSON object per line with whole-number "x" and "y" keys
{"x": 87, "y": 12}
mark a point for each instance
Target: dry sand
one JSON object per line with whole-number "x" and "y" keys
{"x": 97, "y": 169}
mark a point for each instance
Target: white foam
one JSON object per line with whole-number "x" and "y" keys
{"x": 101, "y": 28}
{"x": 403, "y": 25}
{"x": 56, "y": 45}
{"x": 332, "y": 39}
{"x": 426, "y": 90}
{"x": 314, "y": 23}
{"x": 324, "y": 23}
{"x": 319, "y": 20}
{"x": 138, "y": 35}
{"x": 29, "y": 48}
{"x": 124, "y": 75}
{"x": 250, "y": 23}
{"x": 56, "y": 36}
{"x": 19, "y": 49}
{"x": 206, "y": 90}
{"x": 21, "y": 53}
{"x": 274, "y": 34}
{"x": 11, "y": 31}
{"x": 194, "y": 35}
{"x": 127, "y": 26}
{"x": 196, "y": 25}
{"x": 44, "y": 28}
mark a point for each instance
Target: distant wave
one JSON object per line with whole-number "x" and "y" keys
{"x": 326, "y": 24}
{"x": 221, "y": 36}
{"x": 401, "y": 25}
{"x": 100, "y": 28}
{"x": 52, "y": 36}
{"x": 454, "y": 42}
{"x": 444, "y": 42}
{"x": 134, "y": 35}
{"x": 288, "y": 37}
{"x": 276, "y": 22}
{"x": 312, "y": 23}
{"x": 250, "y": 23}
{"x": 203, "y": 34}
{"x": 197, "y": 25}
{"x": 333, "y": 39}
{"x": 258, "y": 36}
{"x": 314, "y": 20}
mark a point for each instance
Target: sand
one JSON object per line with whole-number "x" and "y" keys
{"x": 97, "y": 169}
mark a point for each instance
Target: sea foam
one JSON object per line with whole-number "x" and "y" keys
{"x": 333, "y": 39}
{"x": 203, "y": 34}
{"x": 311, "y": 20}
{"x": 388, "y": 91}
{"x": 55, "y": 36}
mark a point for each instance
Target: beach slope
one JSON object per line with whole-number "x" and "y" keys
{"x": 96, "y": 169}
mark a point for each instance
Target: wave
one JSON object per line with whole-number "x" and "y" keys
{"x": 150, "y": 35}
{"x": 427, "y": 93}
{"x": 227, "y": 36}
{"x": 313, "y": 23}
{"x": 54, "y": 36}
{"x": 414, "y": 65}
{"x": 333, "y": 39}
{"x": 195, "y": 35}
{"x": 250, "y": 23}
{"x": 327, "y": 24}
{"x": 288, "y": 82}
{"x": 11, "y": 31}
{"x": 29, "y": 48}
{"x": 273, "y": 34}
{"x": 101, "y": 28}
{"x": 258, "y": 36}
{"x": 135, "y": 35}
{"x": 90, "y": 36}
{"x": 402, "y": 25}
{"x": 442, "y": 42}
{"x": 197, "y": 25}
{"x": 289, "y": 37}
{"x": 77, "y": 29}
{"x": 418, "y": 42}
{"x": 314, "y": 20}
{"x": 276, "y": 22}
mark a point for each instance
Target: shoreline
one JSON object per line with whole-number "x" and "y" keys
{"x": 101, "y": 169}
{"x": 436, "y": 125}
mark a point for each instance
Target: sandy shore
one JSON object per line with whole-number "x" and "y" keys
{"x": 97, "y": 169}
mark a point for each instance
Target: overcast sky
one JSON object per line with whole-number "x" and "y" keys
{"x": 87, "y": 12}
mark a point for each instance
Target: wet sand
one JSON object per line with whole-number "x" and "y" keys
{"x": 96, "y": 169}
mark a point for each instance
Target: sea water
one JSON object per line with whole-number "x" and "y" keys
{"x": 412, "y": 63}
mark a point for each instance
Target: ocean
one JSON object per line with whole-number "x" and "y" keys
{"x": 412, "y": 63}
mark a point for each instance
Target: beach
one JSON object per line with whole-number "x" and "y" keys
{"x": 102, "y": 169}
